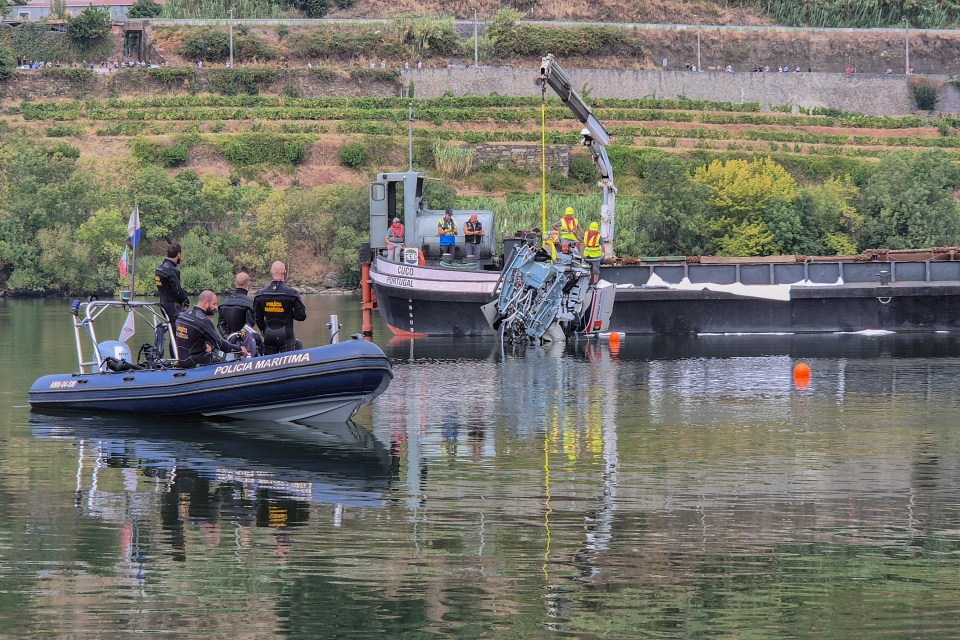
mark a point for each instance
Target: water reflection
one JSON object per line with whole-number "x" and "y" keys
{"x": 204, "y": 474}
{"x": 670, "y": 488}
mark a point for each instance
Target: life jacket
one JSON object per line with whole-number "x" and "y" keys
{"x": 591, "y": 245}
{"x": 396, "y": 233}
{"x": 568, "y": 228}
{"x": 447, "y": 225}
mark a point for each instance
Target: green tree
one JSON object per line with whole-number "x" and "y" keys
{"x": 91, "y": 24}
{"x": 205, "y": 266}
{"x": 792, "y": 233}
{"x": 6, "y": 4}
{"x": 145, "y": 9}
{"x": 672, "y": 211}
{"x": 98, "y": 243}
{"x": 167, "y": 204}
{"x": 831, "y": 208}
{"x": 7, "y": 62}
{"x": 264, "y": 234}
{"x": 743, "y": 190}
{"x": 747, "y": 239}
{"x": 909, "y": 203}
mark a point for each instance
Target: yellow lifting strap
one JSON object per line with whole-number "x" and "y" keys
{"x": 543, "y": 155}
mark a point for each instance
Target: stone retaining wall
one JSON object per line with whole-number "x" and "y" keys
{"x": 126, "y": 82}
{"x": 523, "y": 155}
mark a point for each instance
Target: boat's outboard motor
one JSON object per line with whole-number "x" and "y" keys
{"x": 115, "y": 354}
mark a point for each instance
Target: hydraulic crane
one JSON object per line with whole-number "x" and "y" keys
{"x": 594, "y": 136}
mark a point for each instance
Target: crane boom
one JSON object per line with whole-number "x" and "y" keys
{"x": 594, "y": 136}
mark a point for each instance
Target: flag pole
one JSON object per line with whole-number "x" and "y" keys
{"x": 134, "y": 240}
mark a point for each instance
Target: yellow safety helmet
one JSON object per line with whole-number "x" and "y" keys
{"x": 594, "y": 226}
{"x": 568, "y": 212}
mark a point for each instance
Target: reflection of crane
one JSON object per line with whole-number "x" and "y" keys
{"x": 594, "y": 136}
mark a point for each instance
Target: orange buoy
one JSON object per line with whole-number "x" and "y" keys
{"x": 615, "y": 340}
{"x": 801, "y": 375}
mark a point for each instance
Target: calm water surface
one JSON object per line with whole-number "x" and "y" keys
{"x": 674, "y": 488}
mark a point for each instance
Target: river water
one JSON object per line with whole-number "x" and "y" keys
{"x": 668, "y": 488}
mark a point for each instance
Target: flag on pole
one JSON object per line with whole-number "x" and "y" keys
{"x": 133, "y": 227}
{"x": 128, "y": 328}
{"x": 122, "y": 265}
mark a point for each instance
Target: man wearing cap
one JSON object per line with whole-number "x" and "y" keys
{"x": 593, "y": 251}
{"x": 569, "y": 227}
{"x": 395, "y": 241}
{"x": 447, "y": 230}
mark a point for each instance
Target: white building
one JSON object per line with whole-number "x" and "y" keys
{"x": 40, "y": 9}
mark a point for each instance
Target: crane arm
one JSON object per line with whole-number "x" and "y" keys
{"x": 594, "y": 136}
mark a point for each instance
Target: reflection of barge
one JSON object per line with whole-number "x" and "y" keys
{"x": 899, "y": 292}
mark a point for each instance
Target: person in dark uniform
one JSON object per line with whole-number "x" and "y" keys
{"x": 173, "y": 299}
{"x": 196, "y": 335}
{"x": 236, "y": 312}
{"x": 275, "y": 307}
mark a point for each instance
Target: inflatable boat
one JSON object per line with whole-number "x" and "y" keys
{"x": 322, "y": 384}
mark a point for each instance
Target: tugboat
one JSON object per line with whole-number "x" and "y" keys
{"x": 323, "y": 384}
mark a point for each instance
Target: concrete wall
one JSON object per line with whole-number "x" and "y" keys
{"x": 875, "y": 94}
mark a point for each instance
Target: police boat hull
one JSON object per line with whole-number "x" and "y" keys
{"x": 322, "y": 384}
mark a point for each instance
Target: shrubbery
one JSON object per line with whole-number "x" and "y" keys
{"x": 90, "y": 24}
{"x": 241, "y": 80}
{"x": 172, "y": 155}
{"x": 353, "y": 155}
{"x": 341, "y": 43}
{"x": 265, "y": 148}
{"x": 144, "y": 9}
{"x": 210, "y": 45}
{"x": 510, "y": 39}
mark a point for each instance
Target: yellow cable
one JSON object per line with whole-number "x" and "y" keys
{"x": 543, "y": 167}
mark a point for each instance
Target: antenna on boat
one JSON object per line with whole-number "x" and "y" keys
{"x": 410, "y": 136}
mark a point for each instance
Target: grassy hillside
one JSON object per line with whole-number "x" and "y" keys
{"x": 247, "y": 178}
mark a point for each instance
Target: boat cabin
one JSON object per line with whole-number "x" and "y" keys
{"x": 400, "y": 195}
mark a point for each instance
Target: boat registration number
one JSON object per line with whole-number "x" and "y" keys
{"x": 63, "y": 384}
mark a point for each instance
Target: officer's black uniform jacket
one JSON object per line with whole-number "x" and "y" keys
{"x": 276, "y": 306}
{"x": 235, "y": 311}
{"x": 172, "y": 295}
{"x": 194, "y": 331}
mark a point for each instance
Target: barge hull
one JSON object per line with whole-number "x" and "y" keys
{"x": 837, "y": 296}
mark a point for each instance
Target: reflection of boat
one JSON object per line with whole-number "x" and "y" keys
{"x": 323, "y": 384}
{"x": 336, "y": 464}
